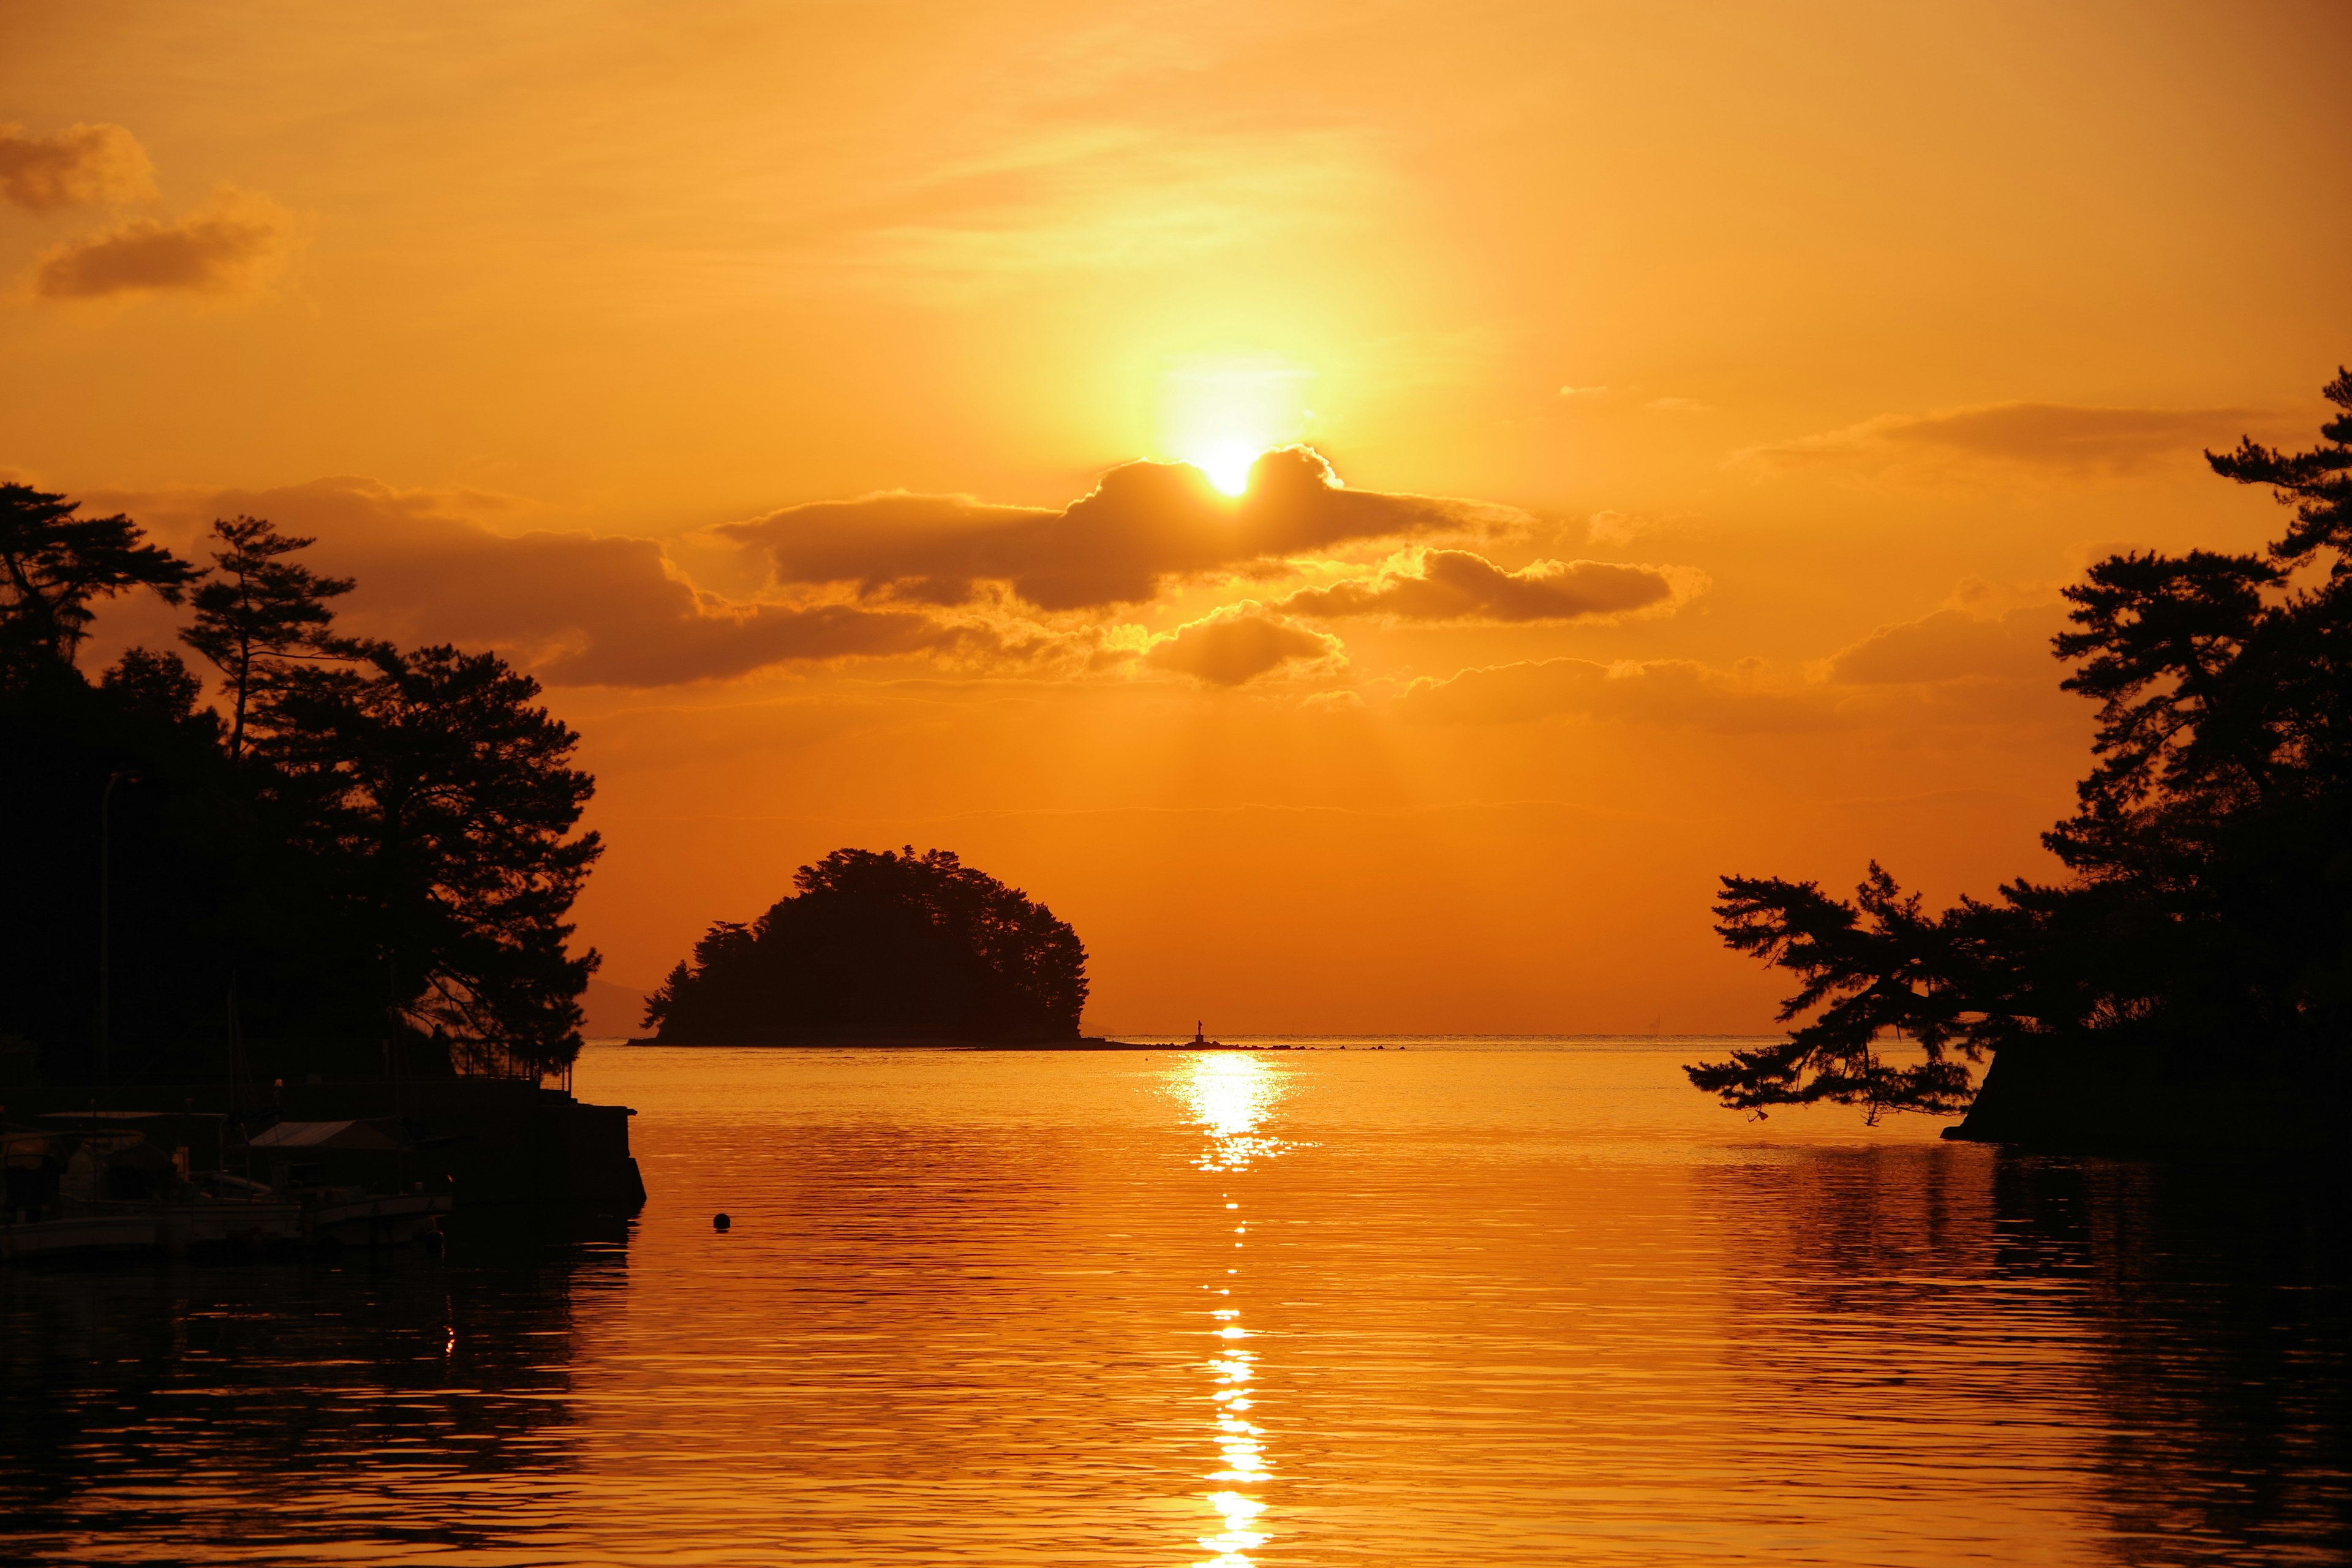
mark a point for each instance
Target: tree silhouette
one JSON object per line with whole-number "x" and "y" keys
{"x": 1880, "y": 968}
{"x": 159, "y": 686}
{"x": 53, "y": 564}
{"x": 889, "y": 944}
{"x": 391, "y": 853}
{"x": 2204, "y": 934}
{"x": 259, "y": 614}
{"x": 448, "y": 800}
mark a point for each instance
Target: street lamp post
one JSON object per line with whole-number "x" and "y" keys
{"x": 105, "y": 922}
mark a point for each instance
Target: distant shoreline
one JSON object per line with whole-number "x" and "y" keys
{"x": 1088, "y": 1043}
{"x": 1245, "y": 1043}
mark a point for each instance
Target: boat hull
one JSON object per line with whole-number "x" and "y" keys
{"x": 180, "y": 1229}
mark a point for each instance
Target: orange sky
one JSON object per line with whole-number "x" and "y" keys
{"x": 1714, "y": 397}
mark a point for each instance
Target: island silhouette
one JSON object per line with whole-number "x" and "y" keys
{"x": 881, "y": 946}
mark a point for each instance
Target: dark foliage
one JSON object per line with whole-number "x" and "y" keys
{"x": 881, "y": 945}
{"x": 160, "y": 687}
{"x": 259, "y": 614}
{"x": 445, "y": 800}
{"x": 53, "y": 564}
{"x": 2204, "y": 934}
{"x": 383, "y": 878}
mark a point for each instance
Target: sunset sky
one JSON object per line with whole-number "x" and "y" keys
{"x": 1701, "y": 407}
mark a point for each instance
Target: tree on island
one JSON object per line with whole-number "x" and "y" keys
{"x": 374, "y": 851}
{"x": 2197, "y": 964}
{"x": 888, "y": 945}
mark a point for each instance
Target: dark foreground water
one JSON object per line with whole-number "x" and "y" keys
{"x": 1449, "y": 1304}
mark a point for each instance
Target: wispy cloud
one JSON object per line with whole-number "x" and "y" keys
{"x": 1953, "y": 645}
{"x": 1061, "y": 197}
{"x": 230, "y": 244}
{"x": 1676, "y": 693}
{"x": 2053, "y": 437}
{"x": 1948, "y": 667}
{"x": 82, "y": 165}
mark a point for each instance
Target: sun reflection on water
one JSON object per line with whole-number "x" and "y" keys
{"x": 1230, "y": 1095}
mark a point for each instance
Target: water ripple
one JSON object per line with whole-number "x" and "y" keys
{"x": 1478, "y": 1307}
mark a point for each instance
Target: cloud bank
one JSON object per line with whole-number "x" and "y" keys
{"x": 574, "y": 608}
{"x": 1950, "y": 667}
{"x": 1458, "y": 586}
{"x": 231, "y": 243}
{"x": 1952, "y": 644}
{"x": 1144, "y": 525}
{"x": 82, "y": 165}
{"x": 1673, "y": 692}
{"x": 2052, "y": 436}
{"x": 948, "y": 579}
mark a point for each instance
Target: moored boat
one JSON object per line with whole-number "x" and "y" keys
{"x": 97, "y": 1189}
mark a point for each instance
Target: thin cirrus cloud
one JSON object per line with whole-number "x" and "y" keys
{"x": 1953, "y": 645}
{"x": 1459, "y": 585}
{"x": 1947, "y": 667}
{"x": 1242, "y": 642}
{"x": 576, "y": 609}
{"x": 82, "y": 165}
{"x": 1144, "y": 525}
{"x": 2054, "y": 438}
{"x": 1676, "y": 693}
{"x": 228, "y": 244}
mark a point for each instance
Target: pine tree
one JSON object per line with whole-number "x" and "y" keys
{"x": 2205, "y": 932}
{"x": 54, "y": 564}
{"x": 259, "y": 614}
{"x": 446, "y": 800}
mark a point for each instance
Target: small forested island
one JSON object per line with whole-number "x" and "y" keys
{"x": 2189, "y": 983}
{"x": 881, "y": 947}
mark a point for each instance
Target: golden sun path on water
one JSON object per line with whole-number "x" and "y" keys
{"x": 1230, "y": 1097}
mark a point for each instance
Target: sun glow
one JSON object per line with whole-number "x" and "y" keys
{"x": 1220, "y": 414}
{"x": 1227, "y": 464}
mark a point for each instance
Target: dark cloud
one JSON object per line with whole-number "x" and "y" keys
{"x": 81, "y": 165}
{"x": 1241, "y": 642}
{"x": 2057, "y": 437}
{"x": 574, "y": 608}
{"x": 1144, "y": 525}
{"x": 1953, "y": 645}
{"x": 223, "y": 248}
{"x": 1664, "y": 691}
{"x": 1457, "y": 585}
{"x": 676, "y": 643}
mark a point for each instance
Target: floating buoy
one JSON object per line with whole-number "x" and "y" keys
{"x": 720, "y": 1222}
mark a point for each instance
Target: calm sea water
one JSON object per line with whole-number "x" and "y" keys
{"x": 1458, "y": 1302}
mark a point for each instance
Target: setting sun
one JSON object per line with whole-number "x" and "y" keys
{"x": 1220, "y": 414}
{"x": 1227, "y": 464}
